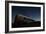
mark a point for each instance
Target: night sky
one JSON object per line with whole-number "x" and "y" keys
{"x": 33, "y": 12}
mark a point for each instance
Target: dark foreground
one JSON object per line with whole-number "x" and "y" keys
{"x": 33, "y": 24}
{"x": 21, "y": 21}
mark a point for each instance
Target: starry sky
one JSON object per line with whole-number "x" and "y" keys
{"x": 33, "y": 12}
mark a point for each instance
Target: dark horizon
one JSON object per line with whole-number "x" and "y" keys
{"x": 33, "y": 12}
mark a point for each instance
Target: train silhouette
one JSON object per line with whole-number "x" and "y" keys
{"x": 24, "y": 21}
